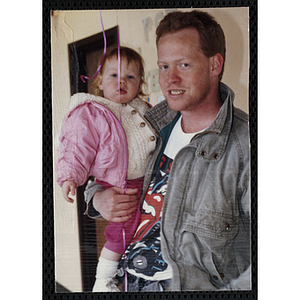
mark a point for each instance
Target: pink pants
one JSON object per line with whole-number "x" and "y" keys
{"x": 114, "y": 231}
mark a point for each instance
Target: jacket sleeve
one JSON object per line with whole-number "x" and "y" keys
{"x": 243, "y": 241}
{"x": 243, "y": 282}
{"x": 79, "y": 142}
{"x": 90, "y": 190}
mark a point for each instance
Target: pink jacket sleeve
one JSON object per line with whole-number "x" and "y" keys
{"x": 80, "y": 138}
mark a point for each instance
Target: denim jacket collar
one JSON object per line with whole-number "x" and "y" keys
{"x": 212, "y": 142}
{"x": 227, "y": 97}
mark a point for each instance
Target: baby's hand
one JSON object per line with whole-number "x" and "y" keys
{"x": 67, "y": 187}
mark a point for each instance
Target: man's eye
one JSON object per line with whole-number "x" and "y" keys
{"x": 163, "y": 67}
{"x": 184, "y": 65}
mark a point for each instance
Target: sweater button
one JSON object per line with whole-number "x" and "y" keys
{"x": 124, "y": 104}
{"x": 152, "y": 138}
{"x": 133, "y": 112}
{"x": 143, "y": 124}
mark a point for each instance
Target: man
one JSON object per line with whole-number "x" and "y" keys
{"x": 194, "y": 231}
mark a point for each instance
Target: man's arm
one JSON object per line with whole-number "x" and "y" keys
{"x": 111, "y": 204}
{"x": 91, "y": 189}
{"x": 243, "y": 282}
{"x": 243, "y": 243}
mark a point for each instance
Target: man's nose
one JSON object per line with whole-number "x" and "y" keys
{"x": 173, "y": 75}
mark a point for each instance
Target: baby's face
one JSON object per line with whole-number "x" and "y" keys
{"x": 130, "y": 81}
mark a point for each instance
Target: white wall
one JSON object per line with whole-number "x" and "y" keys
{"x": 70, "y": 26}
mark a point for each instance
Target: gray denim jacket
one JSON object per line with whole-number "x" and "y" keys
{"x": 205, "y": 223}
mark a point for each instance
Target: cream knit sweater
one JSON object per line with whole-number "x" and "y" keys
{"x": 141, "y": 137}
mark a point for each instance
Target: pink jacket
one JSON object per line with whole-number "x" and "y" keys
{"x": 93, "y": 142}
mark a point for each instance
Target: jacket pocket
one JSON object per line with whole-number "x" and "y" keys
{"x": 206, "y": 242}
{"x": 211, "y": 224}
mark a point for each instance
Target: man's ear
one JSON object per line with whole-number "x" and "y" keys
{"x": 99, "y": 79}
{"x": 216, "y": 64}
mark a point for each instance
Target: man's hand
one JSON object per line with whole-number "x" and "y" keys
{"x": 67, "y": 187}
{"x": 114, "y": 205}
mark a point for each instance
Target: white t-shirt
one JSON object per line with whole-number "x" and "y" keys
{"x": 178, "y": 139}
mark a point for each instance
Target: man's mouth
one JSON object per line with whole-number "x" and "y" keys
{"x": 176, "y": 92}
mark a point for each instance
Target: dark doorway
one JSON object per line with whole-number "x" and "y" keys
{"x": 84, "y": 56}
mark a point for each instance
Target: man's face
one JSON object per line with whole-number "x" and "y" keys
{"x": 184, "y": 71}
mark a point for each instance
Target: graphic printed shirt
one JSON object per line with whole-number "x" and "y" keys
{"x": 143, "y": 255}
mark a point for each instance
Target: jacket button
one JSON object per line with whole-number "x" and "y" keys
{"x": 133, "y": 112}
{"x": 143, "y": 124}
{"x": 215, "y": 277}
{"x": 202, "y": 153}
{"x": 227, "y": 226}
{"x": 152, "y": 138}
{"x": 216, "y": 155}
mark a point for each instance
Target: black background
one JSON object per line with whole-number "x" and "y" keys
{"x": 48, "y": 225}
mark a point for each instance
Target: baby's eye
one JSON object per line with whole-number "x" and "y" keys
{"x": 114, "y": 75}
{"x": 130, "y": 77}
